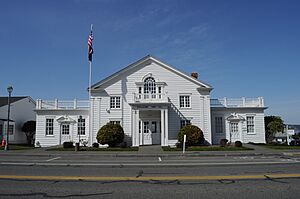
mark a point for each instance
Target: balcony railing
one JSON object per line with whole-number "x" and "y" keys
{"x": 150, "y": 97}
{"x": 62, "y": 104}
{"x": 237, "y": 102}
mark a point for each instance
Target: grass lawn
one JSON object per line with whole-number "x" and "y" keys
{"x": 278, "y": 146}
{"x": 18, "y": 147}
{"x": 282, "y": 147}
{"x": 95, "y": 149}
{"x": 208, "y": 148}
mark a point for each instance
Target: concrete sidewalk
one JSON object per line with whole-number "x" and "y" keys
{"x": 155, "y": 151}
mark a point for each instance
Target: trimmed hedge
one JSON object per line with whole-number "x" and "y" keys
{"x": 96, "y": 145}
{"x": 223, "y": 142}
{"x": 238, "y": 144}
{"x": 68, "y": 145}
{"x": 194, "y": 135}
{"x": 111, "y": 134}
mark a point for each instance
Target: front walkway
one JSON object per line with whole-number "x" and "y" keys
{"x": 150, "y": 150}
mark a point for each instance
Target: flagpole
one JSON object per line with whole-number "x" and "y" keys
{"x": 90, "y": 99}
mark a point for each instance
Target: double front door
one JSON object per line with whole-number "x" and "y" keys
{"x": 149, "y": 131}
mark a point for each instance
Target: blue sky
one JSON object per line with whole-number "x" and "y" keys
{"x": 242, "y": 48}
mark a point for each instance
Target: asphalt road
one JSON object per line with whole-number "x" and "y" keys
{"x": 90, "y": 176}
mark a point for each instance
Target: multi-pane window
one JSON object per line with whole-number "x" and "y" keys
{"x": 65, "y": 129}
{"x": 184, "y": 123}
{"x": 184, "y": 101}
{"x": 10, "y": 129}
{"x": 154, "y": 127}
{"x": 115, "y": 122}
{"x": 115, "y": 102}
{"x": 234, "y": 127}
{"x": 250, "y": 124}
{"x": 49, "y": 126}
{"x": 159, "y": 92}
{"x": 81, "y": 126}
{"x": 219, "y": 124}
{"x": 149, "y": 85}
{"x": 146, "y": 127}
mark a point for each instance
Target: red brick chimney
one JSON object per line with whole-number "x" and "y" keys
{"x": 194, "y": 75}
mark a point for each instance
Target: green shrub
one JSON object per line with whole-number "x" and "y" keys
{"x": 238, "y": 144}
{"x": 223, "y": 142}
{"x": 68, "y": 145}
{"x": 111, "y": 134}
{"x": 194, "y": 135}
{"x": 96, "y": 145}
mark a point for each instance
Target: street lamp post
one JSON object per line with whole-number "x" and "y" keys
{"x": 9, "y": 90}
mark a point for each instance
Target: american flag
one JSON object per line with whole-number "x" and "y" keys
{"x": 90, "y": 46}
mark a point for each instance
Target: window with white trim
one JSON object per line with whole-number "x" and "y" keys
{"x": 115, "y": 102}
{"x": 65, "y": 129}
{"x": 149, "y": 87}
{"x": 146, "y": 127}
{"x": 184, "y": 123}
{"x": 81, "y": 126}
{"x": 219, "y": 124}
{"x": 234, "y": 127}
{"x": 250, "y": 124}
{"x": 49, "y": 126}
{"x": 185, "y": 101}
{"x": 154, "y": 127}
{"x": 10, "y": 129}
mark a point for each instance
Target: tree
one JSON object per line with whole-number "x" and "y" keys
{"x": 273, "y": 124}
{"x": 29, "y": 129}
{"x": 111, "y": 134}
{"x": 194, "y": 135}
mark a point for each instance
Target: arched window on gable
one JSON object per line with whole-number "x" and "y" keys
{"x": 149, "y": 87}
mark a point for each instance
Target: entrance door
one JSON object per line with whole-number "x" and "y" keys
{"x": 150, "y": 132}
{"x": 234, "y": 132}
{"x": 65, "y": 133}
{"x": 147, "y": 139}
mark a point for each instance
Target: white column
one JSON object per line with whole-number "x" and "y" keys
{"x": 137, "y": 135}
{"x": 162, "y": 122}
{"x": 166, "y": 127}
{"x": 133, "y": 126}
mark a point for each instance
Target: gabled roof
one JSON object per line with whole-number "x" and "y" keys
{"x": 65, "y": 119}
{"x": 4, "y": 100}
{"x": 156, "y": 60}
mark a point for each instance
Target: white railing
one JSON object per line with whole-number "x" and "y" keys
{"x": 62, "y": 104}
{"x": 150, "y": 98}
{"x": 237, "y": 102}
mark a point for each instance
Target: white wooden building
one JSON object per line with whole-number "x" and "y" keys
{"x": 21, "y": 111}
{"x": 151, "y": 100}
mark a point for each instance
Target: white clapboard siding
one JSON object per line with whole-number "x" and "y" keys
{"x": 52, "y": 140}
{"x": 125, "y": 86}
{"x": 257, "y": 137}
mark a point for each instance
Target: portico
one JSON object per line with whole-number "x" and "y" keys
{"x": 150, "y": 124}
